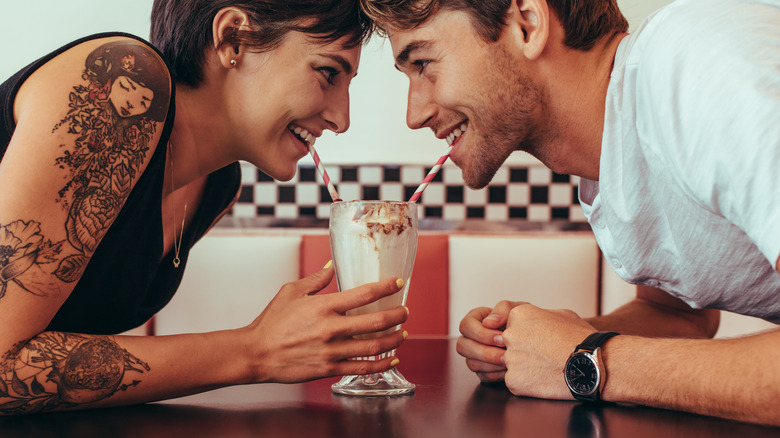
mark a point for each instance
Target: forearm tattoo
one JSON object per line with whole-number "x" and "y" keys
{"x": 61, "y": 370}
{"x": 111, "y": 118}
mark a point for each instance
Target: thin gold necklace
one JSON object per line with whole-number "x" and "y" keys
{"x": 176, "y": 245}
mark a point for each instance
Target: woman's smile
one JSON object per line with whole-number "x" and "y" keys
{"x": 301, "y": 137}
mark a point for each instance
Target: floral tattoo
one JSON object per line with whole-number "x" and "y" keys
{"x": 113, "y": 117}
{"x": 61, "y": 370}
{"x": 23, "y": 252}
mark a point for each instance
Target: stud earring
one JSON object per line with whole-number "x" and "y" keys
{"x": 233, "y": 62}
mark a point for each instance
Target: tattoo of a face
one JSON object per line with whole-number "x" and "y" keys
{"x": 61, "y": 370}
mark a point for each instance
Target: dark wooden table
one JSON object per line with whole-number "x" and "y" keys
{"x": 449, "y": 402}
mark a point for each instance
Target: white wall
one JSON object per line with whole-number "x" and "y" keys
{"x": 31, "y": 28}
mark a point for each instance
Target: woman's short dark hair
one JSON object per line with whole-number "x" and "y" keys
{"x": 584, "y": 21}
{"x": 182, "y": 29}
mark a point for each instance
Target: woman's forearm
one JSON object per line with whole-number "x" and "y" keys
{"x": 59, "y": 371}
{"x": 299, "y": 336}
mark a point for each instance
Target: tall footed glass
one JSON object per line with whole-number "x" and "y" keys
{"x": 372, "y": 241}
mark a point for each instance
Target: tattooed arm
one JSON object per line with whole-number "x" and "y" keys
{"x": 61, "y": 370}
{"x": 86, "y": 126}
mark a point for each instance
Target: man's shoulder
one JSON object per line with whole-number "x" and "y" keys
{"x": 692, "y": 39}
{"x": 690, "y": 24}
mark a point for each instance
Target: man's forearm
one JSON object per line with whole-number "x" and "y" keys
{"x": 655, "y": 313}
{"x": 730, "y": 378}
{"x": 644, "y": 319}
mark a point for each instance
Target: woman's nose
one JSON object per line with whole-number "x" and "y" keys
{"x": 337, "y": 114}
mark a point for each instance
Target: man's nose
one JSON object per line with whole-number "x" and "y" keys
{"x": 420, "y": 109}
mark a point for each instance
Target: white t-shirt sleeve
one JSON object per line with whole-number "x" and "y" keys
{"x": 712, "y": 88}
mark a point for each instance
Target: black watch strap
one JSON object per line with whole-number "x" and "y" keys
{"x": 595, "y": 340}
{"x": 588, "y": 347}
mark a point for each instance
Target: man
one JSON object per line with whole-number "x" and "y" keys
{"x": 675, "y": 131}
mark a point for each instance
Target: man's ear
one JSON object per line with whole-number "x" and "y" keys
{"x": 528, "y": 24}
{"x": 226, "y": 22}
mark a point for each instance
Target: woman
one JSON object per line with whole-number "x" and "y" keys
{"x": 105, "y": 190}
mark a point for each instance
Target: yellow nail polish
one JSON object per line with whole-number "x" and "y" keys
{"x": 328, "y": 265}
{"x": 394, "y": 362}
{"x": 405, "y": 334}
{"x": 400, "y": 283}
{"x": 407, "y": 310}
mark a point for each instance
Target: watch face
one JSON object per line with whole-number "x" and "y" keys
{"x": 582, "y": 374}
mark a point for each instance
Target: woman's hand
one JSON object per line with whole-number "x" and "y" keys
{"x": 302, "y": 336}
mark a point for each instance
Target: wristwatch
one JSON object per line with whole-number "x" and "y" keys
{"x": 583, "y": 373}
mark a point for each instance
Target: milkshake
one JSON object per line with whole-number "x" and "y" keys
{"x": 372, "y": 241}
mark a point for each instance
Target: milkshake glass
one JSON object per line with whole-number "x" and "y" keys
{"x": 372, "y": 241}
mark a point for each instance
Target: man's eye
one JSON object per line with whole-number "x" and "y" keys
{"x": 421, "y": 64}
{"x": 330, "y": 73}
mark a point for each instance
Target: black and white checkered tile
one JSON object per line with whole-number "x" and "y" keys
{"x": 532, "y": 193}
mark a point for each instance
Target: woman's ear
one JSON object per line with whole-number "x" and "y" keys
{"x": 528, "y": 25}
{"x": 226, "y": 23}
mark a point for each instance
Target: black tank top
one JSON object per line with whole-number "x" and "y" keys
{"x": 126, "y": 282}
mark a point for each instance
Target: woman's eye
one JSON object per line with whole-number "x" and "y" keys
{"x": 329, "y": 73}
{"x": 421, "y": 64}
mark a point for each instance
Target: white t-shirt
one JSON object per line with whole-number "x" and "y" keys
{"x": 688, "y": 197}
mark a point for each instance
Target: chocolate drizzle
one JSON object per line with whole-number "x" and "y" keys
{"x": 395, "y": 215}
{"x": 387, "y": 228}
{"x": 384, "y": 218}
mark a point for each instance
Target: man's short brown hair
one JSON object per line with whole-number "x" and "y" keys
{"x": 584, "y": 21}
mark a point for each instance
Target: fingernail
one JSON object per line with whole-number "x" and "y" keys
{"x": 328, "y": 265}
{"x": 407, "y": 310}
{"x": 394, "y": 362}
{"x": 494, "y": 316}
{"x": 399, "y": 283}
{"x": 502, "y": 360}
{"x": 405, "y": 334}
{"x": 498, "y": 340}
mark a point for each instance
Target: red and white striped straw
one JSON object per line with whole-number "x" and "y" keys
{"x": 324, "y": 174}
{"x": 431, "y": 175}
